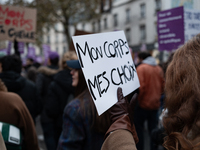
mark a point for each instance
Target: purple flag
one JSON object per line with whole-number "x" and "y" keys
{"x": 9, "y": 47}
{"x": 23, "y": 61}
{"x": 3, "y": 52}
{"x": 143, "y": 47}
{"x": 170, "y": 27}
{"x": 39, "y": 59}
{"x": 46, "y": 51}
{"x": 31, "y": 53}
{"x": 21, "y": 47}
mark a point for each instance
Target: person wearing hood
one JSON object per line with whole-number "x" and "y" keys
{"x": 60, "y": 93}
{"x": 11, "y": 76}
{"x": 151, "y": 77}
{"x": 45, "y": 75}
{"x": 13, "y": 111}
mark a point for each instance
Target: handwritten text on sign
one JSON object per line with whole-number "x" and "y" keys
{"x": 17, "y": 22}
{"x": 107, "y": 64}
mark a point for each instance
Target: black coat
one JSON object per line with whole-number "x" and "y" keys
{"x": 60, "y": 93}
{"x": 44, "y": 78}
{"x": 25, "y": 88}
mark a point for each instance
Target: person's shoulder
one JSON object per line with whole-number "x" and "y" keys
{"x": 142, "y": 67}
{"x": 30, "y": 84}
{"x": 73, "y": 109}
{"x": 12, "y": 97}
{"x": 47, "y": 71}
{"x": 75, "y": 103}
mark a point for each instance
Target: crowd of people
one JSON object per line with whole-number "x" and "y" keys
{"x": 58, "y": 93}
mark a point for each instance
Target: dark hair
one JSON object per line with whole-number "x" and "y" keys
{"x": 182, "y": 88}
{"x": 54, "y": 61}
{"x": 31, "y": 59}
{"x": 144, "y": 55}
{"x": 99, "y": 123}
{"x": 11, "y": 63}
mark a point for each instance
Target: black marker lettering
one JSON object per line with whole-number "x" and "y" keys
{"x": 112, "y": 71}
{"x": 93, "y": 85}
{"x": 128, "y": 50}
{"x": 97, "y": 85}
{"x": 83, "y": 52}
{"x": 117, "y": 49}
{"x": 104, "y": 46}
{"x": 11, "y": 32}
{"x": 107, "y": 81}
{"x": 2, "y": 30}
{"x": 127, "y": 72}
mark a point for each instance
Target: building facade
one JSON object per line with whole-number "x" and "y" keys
{"x": 137, "y": 18}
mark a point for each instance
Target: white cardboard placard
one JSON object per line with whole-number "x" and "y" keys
{"x": 107, "y": 64}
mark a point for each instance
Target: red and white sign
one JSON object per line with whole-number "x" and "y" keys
{"x": 17, "y": 22}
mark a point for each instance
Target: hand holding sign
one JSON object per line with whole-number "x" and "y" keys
{"x": 107, "y": 64}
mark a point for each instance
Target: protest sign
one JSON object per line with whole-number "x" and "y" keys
{"x": 17, "y": 22}
{"x": 107, "y": 64}
{"x": 176, "y": 26}
{"x": 31, "y": 53}
{"x": 21, "y": 47}
{"x": 191, "y": 23}
{"x": 9, "y": 48}
{"x": 170, "y": 28}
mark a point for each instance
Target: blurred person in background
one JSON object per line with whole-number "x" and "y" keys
{"x": 82, "y": 129}
{"x": 11, "y": 76}
{"x": 14, "y": 111}
{"x": 151, "y": 78}
{"x": 45, "y": 75}
{"x": 31, "y": 69}
{"x": 141, "y": 57}
{"x": 60, "y": 93}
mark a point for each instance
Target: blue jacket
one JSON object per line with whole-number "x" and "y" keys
{"x": 77, "y": 133}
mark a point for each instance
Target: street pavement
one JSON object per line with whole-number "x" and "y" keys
{"x": 40, "y": 134}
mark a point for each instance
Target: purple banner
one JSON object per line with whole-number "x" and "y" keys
{"x": 31, "y": 53}
{"x": 9, "y": 47}
{"x": 3, "y": 52}
{"x": 46, "y": 50}
{"x": 143, "y": 47}
{"x": 170, "y": 27}
{"x": 39, "y": 59}
{"x": 23, "y": 61}
{"x": 21, "y": 47}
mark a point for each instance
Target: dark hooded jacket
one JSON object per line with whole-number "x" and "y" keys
{"x": 25, "y": 89}
{"x": 60, "y": 93}
{"x": 44, "y": 78}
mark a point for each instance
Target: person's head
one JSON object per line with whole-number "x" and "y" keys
{"x": 29, "y": 61}
{"x": 78, "y": 79}
{"x": 99, "y": 123}
{"x": 11, "y": 63}
{"x": 182, "y": 89}
{"x": 53, "y": 58}
{"x": 143, "y": 55}
{"x": 69, "y": 55}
